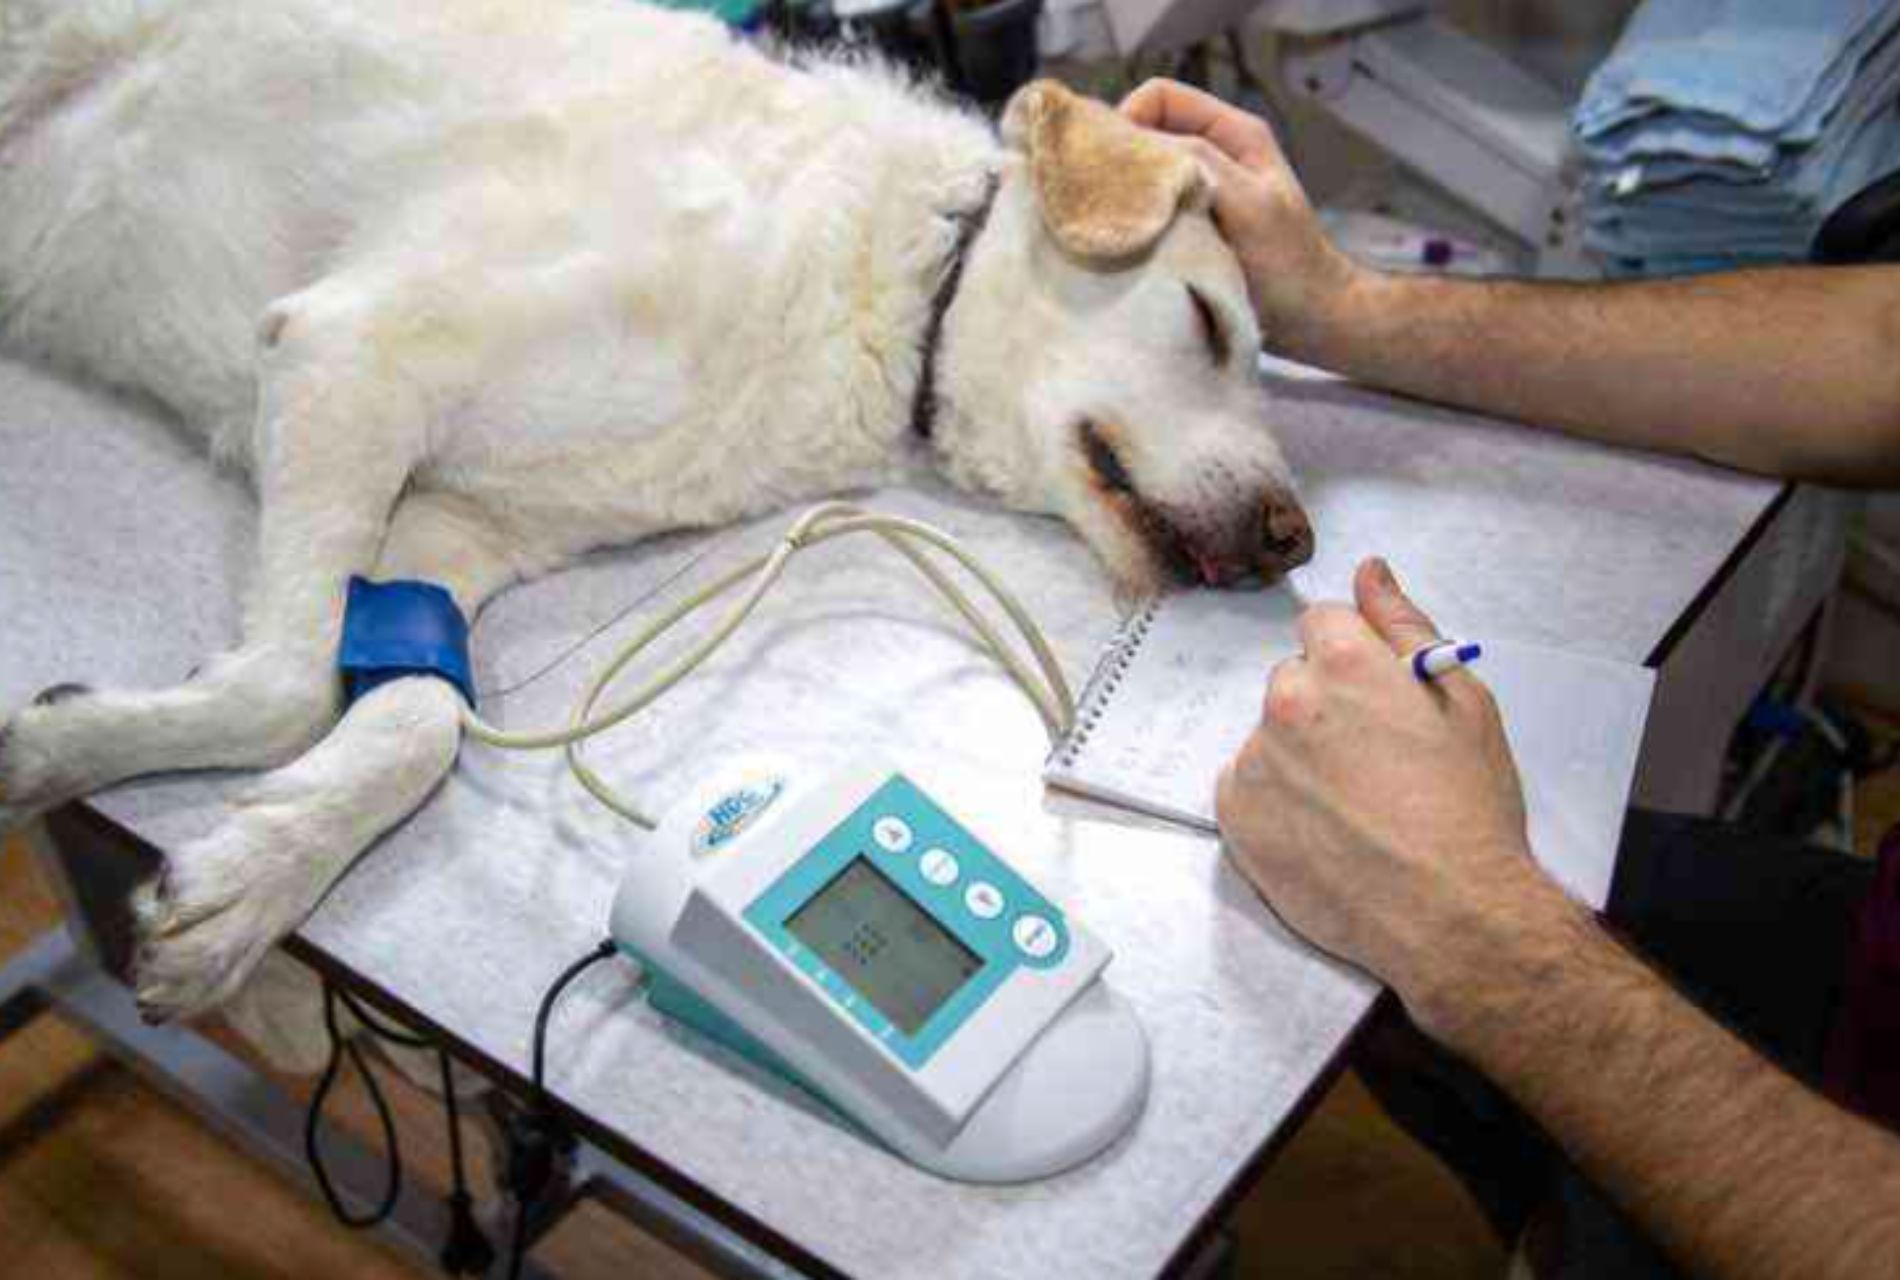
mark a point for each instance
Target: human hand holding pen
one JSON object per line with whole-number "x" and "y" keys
{"x": 1380, "y": 815}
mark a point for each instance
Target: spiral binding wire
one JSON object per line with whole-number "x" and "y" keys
{"x": 1108, "y": 677}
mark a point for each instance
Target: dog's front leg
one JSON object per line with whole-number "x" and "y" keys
{"x": 225, "y": 900}
{"x": 339, "y": 431}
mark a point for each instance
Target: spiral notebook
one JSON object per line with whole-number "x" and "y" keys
{"x": 1181, "y": 686}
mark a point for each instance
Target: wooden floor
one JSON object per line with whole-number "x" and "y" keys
{"x": 102, "y": 1177}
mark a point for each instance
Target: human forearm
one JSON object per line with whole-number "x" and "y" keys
{"x": 1791, "y": 372}
{"x": 1787, "y": 372}
{"x": 1732, "y": 1166}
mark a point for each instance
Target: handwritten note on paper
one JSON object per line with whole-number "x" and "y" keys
{"x": 1189, "y": 696}
{"x": 1192, "y": 681}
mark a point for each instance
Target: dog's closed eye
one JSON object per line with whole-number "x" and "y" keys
{"x": 1103, "y": 460}
{"x": 1212, "y": 333}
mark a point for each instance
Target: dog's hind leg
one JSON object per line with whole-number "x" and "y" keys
{"x": 226, "y": 899}
{"x": 338, "y": 435}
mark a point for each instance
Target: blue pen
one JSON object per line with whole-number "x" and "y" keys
{"x": 1435, "y": 660}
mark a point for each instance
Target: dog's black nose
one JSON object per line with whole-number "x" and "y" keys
{"x": 1286, "y": 536}
{"x": 1255, "y": 551}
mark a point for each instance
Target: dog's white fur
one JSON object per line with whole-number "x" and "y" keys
{"x": 474, "y": 285}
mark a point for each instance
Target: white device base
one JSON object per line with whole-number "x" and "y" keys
{"x": 1070, "y": 1092}
{"x": 1077, "y": 1089}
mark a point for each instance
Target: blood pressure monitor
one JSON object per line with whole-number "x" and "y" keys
{"x": 856, "y": 937}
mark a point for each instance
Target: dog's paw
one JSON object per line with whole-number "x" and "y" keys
{"x": 26, "y": 772}
{"x": 33, "y": 777}
{"x": 211, "y": 918}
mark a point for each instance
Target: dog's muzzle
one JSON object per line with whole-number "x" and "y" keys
{"x": 1263, "y": 543}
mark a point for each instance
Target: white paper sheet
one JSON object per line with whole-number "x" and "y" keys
{"x": 1183, "y": 687}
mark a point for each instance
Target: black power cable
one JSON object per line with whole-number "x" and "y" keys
{"x": 537, "y": 1136}
{"x": 466, "y": 1251}
{"x": 313, "y": 1118}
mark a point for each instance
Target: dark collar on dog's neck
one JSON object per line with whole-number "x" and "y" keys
{"x": 923, "y": 405}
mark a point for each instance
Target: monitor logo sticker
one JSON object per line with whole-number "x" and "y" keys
{"x": 732, "y": 814}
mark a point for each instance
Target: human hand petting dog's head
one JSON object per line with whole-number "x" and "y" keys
{"x": 1295, "y": 274}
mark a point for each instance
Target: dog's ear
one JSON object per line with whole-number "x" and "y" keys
{"x": 1108, "y": 188}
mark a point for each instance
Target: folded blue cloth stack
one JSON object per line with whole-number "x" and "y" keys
{"x": 1721, "y": 133}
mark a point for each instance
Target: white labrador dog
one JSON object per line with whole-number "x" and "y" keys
{"x": 472, "y": 286}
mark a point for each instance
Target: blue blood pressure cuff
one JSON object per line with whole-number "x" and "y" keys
{"x": 397, "y": 629}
